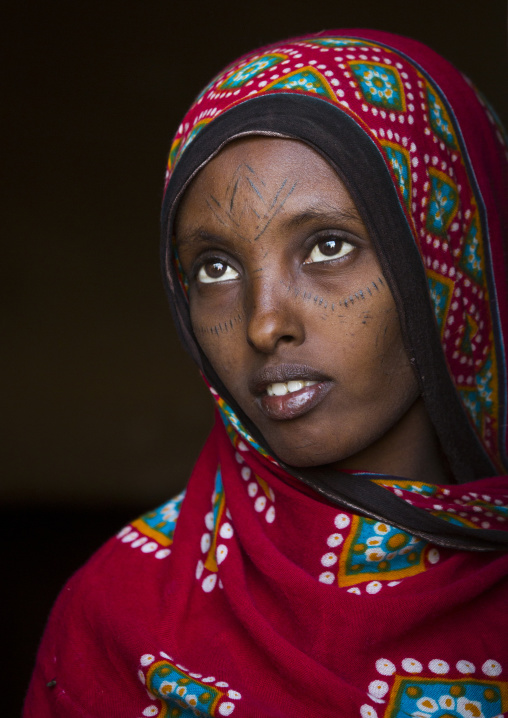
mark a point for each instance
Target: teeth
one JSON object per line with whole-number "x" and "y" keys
{"x": 281, "y": 388}
{"x": 295, "y": 385}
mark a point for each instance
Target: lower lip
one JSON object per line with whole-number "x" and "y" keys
{"x": 295, "y": 404}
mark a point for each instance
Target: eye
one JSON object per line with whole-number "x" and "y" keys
{"x": 216, "y": 271}
{"x": 328, "y": 249}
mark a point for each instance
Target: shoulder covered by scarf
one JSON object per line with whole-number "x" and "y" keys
{"x": 264, "y": 590}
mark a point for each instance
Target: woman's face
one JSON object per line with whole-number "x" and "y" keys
{"x": 288, "y": 302}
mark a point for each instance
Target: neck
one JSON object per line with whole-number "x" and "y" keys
{"x": 410, "y": 449}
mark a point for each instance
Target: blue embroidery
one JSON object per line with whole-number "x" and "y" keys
{"x": 439, "y": 119}
{"x": 443, "y": 202}
{"x": 253, "y": 68}
{"x": 380, "y": 85}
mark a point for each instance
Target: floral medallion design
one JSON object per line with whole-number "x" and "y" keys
{"x": 182, "y": 694}
{"x": 364, "y": 555}
{"x": 443, "y": 202}
{"x": 153, "y": 532}
{"x": 251, "y": 69}
{"x": 308, "y": 79}
{"x": 380, "y": 84}
{"x": 436, "y": 690}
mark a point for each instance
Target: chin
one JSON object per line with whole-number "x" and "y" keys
{"x": 306, "y": 454}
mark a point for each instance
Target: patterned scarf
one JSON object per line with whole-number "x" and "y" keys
{"x": 265, "y": 591}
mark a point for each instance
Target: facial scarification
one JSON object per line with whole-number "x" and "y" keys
{"x": 247, "y": 197}
{"x": 305, "y": 302}
{"x": 328, "y": 308}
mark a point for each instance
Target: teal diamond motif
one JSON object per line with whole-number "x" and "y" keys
{"x": 244, "y": 74}
{"x": 400, "y": 165}
{"x": 334, "y": 41}
{"x": 442, "y": 204}
{"x": 440, "y": 293}
{"x": 472, "y": 402}
{"x": 471, "y": 260}
{"x": 484, "y": 383}
{"x": 439, "y": 119}
{"x": 380, "y": 85}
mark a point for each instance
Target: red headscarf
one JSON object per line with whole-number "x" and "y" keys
{"x": 256, "y": 594}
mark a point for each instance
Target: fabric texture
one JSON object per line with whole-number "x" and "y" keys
{"x": 266, "y": 591}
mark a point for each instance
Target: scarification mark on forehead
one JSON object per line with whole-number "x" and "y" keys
{"x": 248, "y": 206}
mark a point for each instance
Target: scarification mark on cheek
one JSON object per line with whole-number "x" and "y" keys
{"x": 361, "y": 295}
{"x": 225, "y": 327}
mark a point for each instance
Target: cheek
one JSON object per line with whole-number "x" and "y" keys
{"x": 219, "y": 337}
{"x": 392, "y": 372}
{"x": 371, "y": 356}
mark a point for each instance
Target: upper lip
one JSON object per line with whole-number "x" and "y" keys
{"x": 282, "y": 373}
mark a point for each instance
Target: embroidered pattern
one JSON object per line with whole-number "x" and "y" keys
{"x": 307, "y": 79}
{"x": 335, "y": 41}
{"x": 365, "y": 555}
{"x": 437, "y": 691}
{"x": 441, "y": 292}
{"x": 380, "y": 85}
{"x": 443, "y": 202}
{"x": 373, "y": 552}
{"x": 212, "y": 546}
{"x": 252, "y": 69}
{"x": 257, "y": 488}
{"x": 472, "y": 260}
{"x": 153, "y": 532}
{"x": 480, "y": 399}
{"x": 401, "y": 164}
{"x": 469, "y": 510}
{"x": 182, "y": 694}
{"x": 439, "y": 119}
{"x": 230, "y": 419}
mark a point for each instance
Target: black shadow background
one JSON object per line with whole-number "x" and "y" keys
{"x": 103, "y": 415}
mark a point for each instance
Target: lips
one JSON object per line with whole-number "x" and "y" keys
{"x": 288, "y": 391}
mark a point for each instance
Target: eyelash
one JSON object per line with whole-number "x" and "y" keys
{"x": 346, "y": 248}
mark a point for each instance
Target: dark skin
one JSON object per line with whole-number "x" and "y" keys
{"x": 289, "y": 303}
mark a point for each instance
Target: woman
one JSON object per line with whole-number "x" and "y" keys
{"x": 332, "y": 244}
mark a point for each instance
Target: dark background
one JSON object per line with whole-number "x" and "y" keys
{"x": 103, "y": 415}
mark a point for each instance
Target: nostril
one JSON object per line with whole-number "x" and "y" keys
{"x": 267, "y": 329}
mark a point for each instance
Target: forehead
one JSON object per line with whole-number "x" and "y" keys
{"x": 259, "y": 168}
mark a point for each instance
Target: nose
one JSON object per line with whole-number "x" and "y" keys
{"x": 274, "y": 315}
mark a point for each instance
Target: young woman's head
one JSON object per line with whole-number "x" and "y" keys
{"x": 277, "y": 255}
{"x": 328, "y": 258}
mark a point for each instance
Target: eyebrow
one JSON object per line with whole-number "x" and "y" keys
{"x": 197, "y": 234}
{"x": 325, "y": 213}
